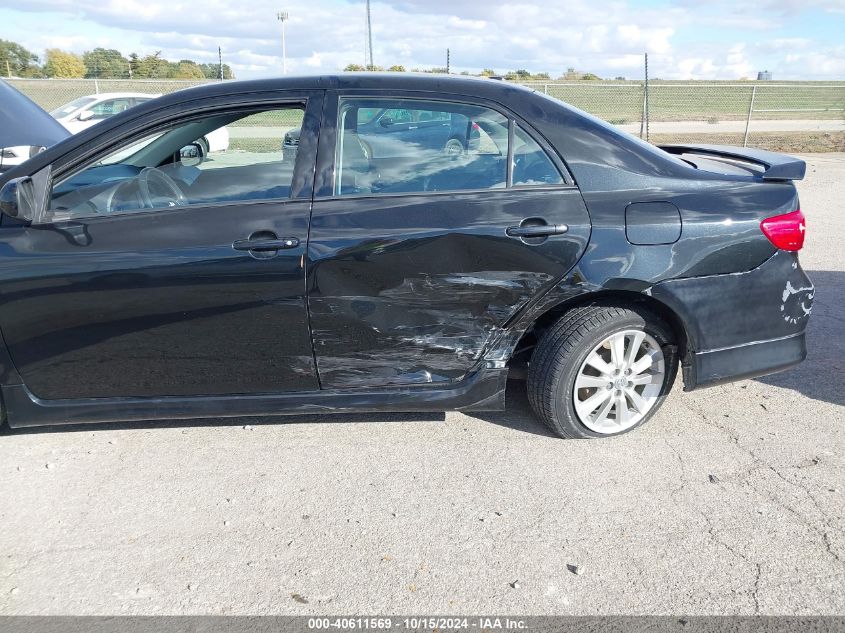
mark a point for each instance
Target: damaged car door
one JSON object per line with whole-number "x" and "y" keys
{"x": 419, "y": 256}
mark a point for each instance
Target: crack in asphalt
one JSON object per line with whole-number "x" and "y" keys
{"x": 754, "y": 592}
{"x": 759, "y": 462}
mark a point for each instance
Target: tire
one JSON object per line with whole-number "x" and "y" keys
{"x": 203, "y": 143}
{"x": 590, "y": 334}
{"x": 454, "y": 147}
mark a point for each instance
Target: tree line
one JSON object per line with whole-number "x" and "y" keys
{"x": 512, "y": 75}
{"x": 108, "y": 63}
{"x": 101, "y": 63}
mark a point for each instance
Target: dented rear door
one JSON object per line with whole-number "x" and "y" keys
{"x": 411, "y": 288}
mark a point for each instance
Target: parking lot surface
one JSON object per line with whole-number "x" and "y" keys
{"x": 729, "y": 501}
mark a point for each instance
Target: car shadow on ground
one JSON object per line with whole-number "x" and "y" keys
{"x": 822, "y": 375}
{"x": 517, "y": 415}
{"x": 336, "y": 418}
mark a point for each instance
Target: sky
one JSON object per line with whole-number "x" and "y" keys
{"x": 685, "y": 39}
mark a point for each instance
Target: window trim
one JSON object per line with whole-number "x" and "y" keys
{"x": 449, "y": 192}
{"x": 159, "y": 211}
{"x": 512, "y": 118}
{"x": 71, "y": 170}
{"x": 556, "y": 161}
{"x": 511, "y": 135}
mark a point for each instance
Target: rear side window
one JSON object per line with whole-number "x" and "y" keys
{"x": 409, "y": 146}
{"x": 531, "y": 164}
{"x": 417, "y": 146}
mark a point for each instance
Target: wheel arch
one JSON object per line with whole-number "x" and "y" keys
{"x": 624, "y": 298}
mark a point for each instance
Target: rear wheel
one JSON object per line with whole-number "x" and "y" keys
{"x": 454, "y": 147}
{"x": 601, "y": 370}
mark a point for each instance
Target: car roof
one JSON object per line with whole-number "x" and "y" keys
{"x": 423, "y": 82}
{"x": 120, "y": 95}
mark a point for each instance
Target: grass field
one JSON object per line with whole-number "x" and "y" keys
{"x": 788, "y": 142}
{"x": 618, "y": 102}
{"x": 702, "y": 101}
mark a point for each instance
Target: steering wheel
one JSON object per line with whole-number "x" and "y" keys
{"x": 149, "y": 177}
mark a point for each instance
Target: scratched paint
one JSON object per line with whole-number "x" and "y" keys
{"x": 415, "y": 290}
{"x": 797, "y": 301}
{"x": 447, "y": 322}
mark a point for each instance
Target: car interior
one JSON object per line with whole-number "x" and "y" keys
{"x": 403, "y": 166}
{"x": 406, "y": 167}
{"x": 157, "y": 172}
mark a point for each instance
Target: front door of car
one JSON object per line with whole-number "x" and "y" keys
{"x": 156, "y": 273}
{"x": 418, "y": 260}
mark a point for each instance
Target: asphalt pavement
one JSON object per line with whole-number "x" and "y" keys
{"x": 729, "y": 501}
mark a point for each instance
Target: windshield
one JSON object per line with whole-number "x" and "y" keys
{"x": 68, "y": 108}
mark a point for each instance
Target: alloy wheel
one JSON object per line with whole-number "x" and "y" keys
{"x": 619, "y": 382}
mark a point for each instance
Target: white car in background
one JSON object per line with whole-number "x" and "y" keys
{"x": 84, "y": 112}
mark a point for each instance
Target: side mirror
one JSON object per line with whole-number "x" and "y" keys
{"x": 192, "y": 155}
{"x": 85, "y": 115}
{"x": 17, "y": 198}
{"x": 385, "y": 121}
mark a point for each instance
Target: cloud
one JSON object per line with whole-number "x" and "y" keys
{"x": 684, "y": 38}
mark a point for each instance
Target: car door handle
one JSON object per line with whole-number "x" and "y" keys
{"x": 265, "y": 244}
{"x": 542, "y": 230}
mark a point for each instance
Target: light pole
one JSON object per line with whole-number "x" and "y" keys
{"x": 372, "y": 64}
{"x": 282, "y": 16}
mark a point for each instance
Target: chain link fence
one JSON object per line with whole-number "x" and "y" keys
{"x": 779, "y": 116}
{"x": 53, "y": 93}
{"x": 802, "y": 116}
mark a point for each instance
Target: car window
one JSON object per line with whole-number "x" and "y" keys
{"x": 74, "y": 105}
{"x": 531, "y": 164}
{"x": 110, "y": 107}
{"x": 217, "y": 159}
{"x": 397, "y": 116}
{"x": 365, "y": 115}
{"x": 468, "y": 151}
{"x": 435, "y": 116}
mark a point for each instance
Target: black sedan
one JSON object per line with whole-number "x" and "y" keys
{"x": 141, "y": 280}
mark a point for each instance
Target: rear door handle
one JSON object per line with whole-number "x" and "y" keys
{"x": 543, "y": 230}
{"x": 265, "y": 244}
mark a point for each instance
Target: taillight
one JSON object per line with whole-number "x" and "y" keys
{"x": 475, "y": 127}
{"x": 785, "y": 231}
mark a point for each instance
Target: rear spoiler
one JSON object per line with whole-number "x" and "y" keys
{"x": 776, "y": 166}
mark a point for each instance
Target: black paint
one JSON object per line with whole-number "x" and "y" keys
{"x": 402, "y": 302}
